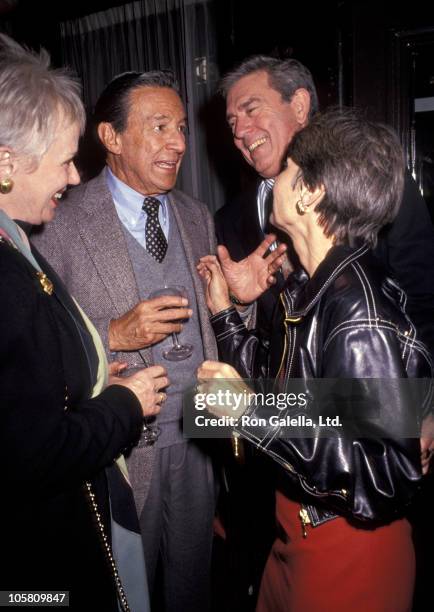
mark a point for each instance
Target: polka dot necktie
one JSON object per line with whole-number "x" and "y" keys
{"x": 156, "y": 243}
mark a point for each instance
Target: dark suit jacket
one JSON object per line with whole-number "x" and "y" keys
{"x": 52, "y": 439}
{"x": 237, "y": 228}
{"x": 406, "y": 248}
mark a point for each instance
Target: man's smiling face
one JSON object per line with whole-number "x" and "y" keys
{"x": 262, "y": 123}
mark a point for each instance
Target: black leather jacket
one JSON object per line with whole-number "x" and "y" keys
{"x": 348, "y": 321}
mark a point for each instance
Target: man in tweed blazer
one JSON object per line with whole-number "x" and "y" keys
{"x": 101, "y": 246}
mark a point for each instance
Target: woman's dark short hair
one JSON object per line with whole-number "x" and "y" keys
{"x": 284, "y": 76}
{"x": 113, "y": 104}
{"x": 361, "y": 166}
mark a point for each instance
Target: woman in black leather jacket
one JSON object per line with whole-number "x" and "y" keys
{"x": 343, "y": 540}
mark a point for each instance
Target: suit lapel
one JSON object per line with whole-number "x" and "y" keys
{"x": 195, "y": 246}
{"x": 248, "y": 221}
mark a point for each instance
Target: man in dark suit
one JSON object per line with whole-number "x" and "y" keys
{"x": 268, "y": 101}
{"x": 116, "y": 240}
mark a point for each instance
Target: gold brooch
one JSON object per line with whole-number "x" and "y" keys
{"x": 47, "y": 285}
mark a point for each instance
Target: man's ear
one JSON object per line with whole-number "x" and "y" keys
{"x": 110, "y": 138}
{"x": 300, "y": 103}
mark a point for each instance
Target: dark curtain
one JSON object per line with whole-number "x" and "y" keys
{"x": 151, "y": 35}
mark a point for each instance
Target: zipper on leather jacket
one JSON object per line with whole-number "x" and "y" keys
{"x": 290, "y": 338}
{"x": 305, "y": 520}
{"x": 285, "y": 348}
{"x": 237, "y": 447}
{"x": 288, "y": 345}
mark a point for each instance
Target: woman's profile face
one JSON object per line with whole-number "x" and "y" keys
{"x": 286, "y": 192}
{"x": 38, "y": 192}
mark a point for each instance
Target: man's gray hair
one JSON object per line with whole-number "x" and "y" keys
{"x": 32, "y": 97}
{"x": 285, "y": 76}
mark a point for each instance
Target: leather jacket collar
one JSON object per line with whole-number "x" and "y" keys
{"x": 303, "y": 294}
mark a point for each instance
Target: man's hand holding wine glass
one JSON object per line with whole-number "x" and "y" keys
{"x": 148, "y": 322}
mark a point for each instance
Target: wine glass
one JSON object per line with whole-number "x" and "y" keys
{"x": 178, "y": 352}
{"x": 150, "y": 432}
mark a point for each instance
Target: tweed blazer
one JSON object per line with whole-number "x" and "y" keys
{"x": 86, "y": 246}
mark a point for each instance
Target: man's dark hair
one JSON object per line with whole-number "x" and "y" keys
{"x": 285, "y": 76}
{"x": 113, "y": 104}
{"x": 361, "y": 166}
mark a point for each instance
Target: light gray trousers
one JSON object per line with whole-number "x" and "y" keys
{"x": 177, "y": 527}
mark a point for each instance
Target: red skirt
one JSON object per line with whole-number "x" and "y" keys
{"x": 337, "y": 567}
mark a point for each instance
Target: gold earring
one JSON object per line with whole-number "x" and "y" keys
{"x": 6, "y": 185}
{"x": 301, "y": 207}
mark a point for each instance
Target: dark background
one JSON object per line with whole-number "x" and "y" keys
{"x": 375, "y": 55}
{"x": 318, "y": 34}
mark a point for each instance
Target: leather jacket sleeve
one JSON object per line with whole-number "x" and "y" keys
{"x": 406, "y": 247}
{"x": 242, "y": 348}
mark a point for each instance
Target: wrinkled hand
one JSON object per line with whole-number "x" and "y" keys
{"x": 149, "y": 322}
{"x": 216, "y": 291}
{"x": 221, "y": 381}
{"x": 250, "y": 277}
{"x": 427, "y": 443}
{"x": 146, "y": 385}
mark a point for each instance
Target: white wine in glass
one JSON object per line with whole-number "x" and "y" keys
{"x": 178, "y": 352}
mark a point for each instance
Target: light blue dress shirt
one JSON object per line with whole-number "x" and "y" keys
{"x": 128, "y": 204}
